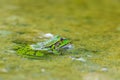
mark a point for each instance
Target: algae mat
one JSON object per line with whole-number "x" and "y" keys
{"x": 92, "y": 25}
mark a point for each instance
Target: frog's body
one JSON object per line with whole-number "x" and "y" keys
{"x": 53, "y": 45}
{"x": 52, "y": 41}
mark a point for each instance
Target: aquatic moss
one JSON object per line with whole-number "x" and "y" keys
{"x": 26, "y": 51}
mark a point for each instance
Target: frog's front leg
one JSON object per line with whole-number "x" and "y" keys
{"x": 56, "y": 52}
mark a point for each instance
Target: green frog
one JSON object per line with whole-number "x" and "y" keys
{"x": 55, "y": 45}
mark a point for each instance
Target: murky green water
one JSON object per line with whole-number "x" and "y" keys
{"x": 93, "y": 26}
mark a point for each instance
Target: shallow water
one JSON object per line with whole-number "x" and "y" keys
{"x": 93, "y": 26}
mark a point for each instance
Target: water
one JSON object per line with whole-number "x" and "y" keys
{"x": 92, "y": 26}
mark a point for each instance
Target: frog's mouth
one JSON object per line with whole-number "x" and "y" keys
{"x": 68, "y": 46}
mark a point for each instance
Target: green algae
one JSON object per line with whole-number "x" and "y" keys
{"x": 26, "y": 51}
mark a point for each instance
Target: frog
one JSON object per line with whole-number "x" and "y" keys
{"x": 55, "y": 45}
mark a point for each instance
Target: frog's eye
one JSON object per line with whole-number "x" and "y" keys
{"x": 61, "y": 39}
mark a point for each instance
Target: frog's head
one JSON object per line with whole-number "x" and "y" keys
{"x": 64, "y": 42}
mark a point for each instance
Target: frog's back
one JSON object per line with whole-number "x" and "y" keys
{"x": 52, "y": 41}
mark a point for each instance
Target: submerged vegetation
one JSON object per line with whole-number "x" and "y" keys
{"x": 27, "y": 51}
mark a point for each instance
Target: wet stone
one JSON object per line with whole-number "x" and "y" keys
{"x": 4, "y": 70}
{"x": 104, "y": 69}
